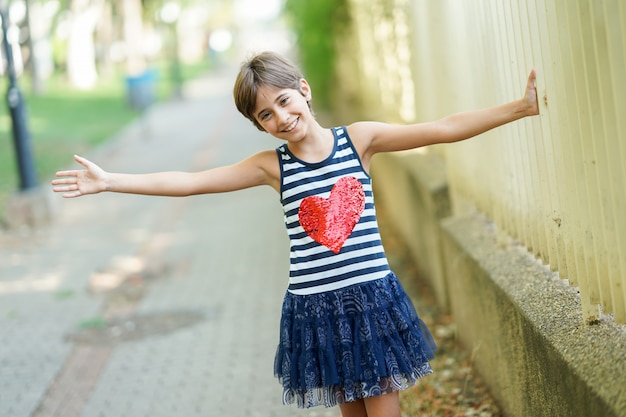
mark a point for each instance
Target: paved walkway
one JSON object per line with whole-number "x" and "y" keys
{"x": 132, "y": 306}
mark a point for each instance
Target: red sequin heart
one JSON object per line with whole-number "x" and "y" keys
{"x": 331, "y": 221}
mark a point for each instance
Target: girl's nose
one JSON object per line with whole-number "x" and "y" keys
{"x": 283, "y": 116}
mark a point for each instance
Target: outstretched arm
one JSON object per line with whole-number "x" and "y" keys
{"x": 259, "y": 169}
{"x": 382, "y": 137}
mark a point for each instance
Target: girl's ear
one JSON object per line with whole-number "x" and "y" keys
{"x": 305, "y": 89}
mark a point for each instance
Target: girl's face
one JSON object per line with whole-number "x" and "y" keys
{"x": 284, "y": 112}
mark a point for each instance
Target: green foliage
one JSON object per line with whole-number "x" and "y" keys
{"x": 97, "y": 322}
{"x": 317, "y": 25}
{"x": 61, "y": 122}
{"x": 64, "y": 121}
{"x": 64, "y": 294}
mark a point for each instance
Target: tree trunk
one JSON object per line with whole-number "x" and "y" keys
{"x": 133, "y": 35}
{"x": 81, "y": 51}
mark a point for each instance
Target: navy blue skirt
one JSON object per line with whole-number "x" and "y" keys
{"x": 356, "y": 342}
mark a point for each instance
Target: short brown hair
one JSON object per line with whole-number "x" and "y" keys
{"x": 266, "y": 68}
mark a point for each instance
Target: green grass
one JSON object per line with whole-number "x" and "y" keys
{"x": 64, "y": 121}
{"x": 317, "y": 25}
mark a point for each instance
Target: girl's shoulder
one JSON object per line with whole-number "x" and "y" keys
{"x": 267, "y": 163}
{"x": 366, "y": 131}
{"x": 362, "y": 133}
{"x": 358, "y": 128}
{"x": 268, "y": 160}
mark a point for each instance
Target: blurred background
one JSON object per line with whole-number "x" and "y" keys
{"x": 77, "y": 71}
{"x": 86, "y": 68}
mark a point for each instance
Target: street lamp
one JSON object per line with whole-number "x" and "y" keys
{"x": 15, "y": 100}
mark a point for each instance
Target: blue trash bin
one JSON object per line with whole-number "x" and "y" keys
{"x": 141, "y": 89}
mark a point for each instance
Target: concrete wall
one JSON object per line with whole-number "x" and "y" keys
{"x": 411, "y": 183}
{"x": 523, "y": 323}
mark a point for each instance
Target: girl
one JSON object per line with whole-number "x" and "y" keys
{"x": 349, "y": 334}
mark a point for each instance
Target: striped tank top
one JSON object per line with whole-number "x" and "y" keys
{"x": 331, "y": 220}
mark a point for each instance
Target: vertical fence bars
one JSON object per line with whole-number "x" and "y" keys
{"x": 558, "y": 183}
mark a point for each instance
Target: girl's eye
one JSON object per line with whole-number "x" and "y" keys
{"x": 284, "y": 101}
{"x": 265, "y": 116}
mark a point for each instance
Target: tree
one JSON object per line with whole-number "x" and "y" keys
{"x": 81, "y": 51}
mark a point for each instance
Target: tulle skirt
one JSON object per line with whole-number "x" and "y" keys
{"x": 356, "y": 342}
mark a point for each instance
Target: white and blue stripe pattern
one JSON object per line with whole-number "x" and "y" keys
{"x": 314, "y": 268}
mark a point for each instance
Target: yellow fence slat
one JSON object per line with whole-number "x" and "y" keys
{"x": 594, "y": 156}
{"x": 609, "y": 165}
{"x": 585, "y": 264}
{"x": 584, "y": 152}
{"x": 617, "y": 44}
{"x": 558, "y": 58}
{"x": 543, "y": 148}
{"x": 552, "y": 145}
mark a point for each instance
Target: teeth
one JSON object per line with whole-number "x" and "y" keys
{"x": 292, "y": 125}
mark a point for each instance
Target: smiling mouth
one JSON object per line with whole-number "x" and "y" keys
{"x": 292, "y": 125}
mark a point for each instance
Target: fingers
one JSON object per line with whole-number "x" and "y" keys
{"x": 83, "y": 161}
{"x": 72, "y": 194}
{"x": 69, "y": 191}
{"x": 532, "y": 80}
{"x": 64, "y": 185}
{"x": 67, "y": 185}
{"x": 67, "y": 182}
{"x": 64, "y": 181}
{"x": 71, "y": 173}
{"x": 531, "y": 93}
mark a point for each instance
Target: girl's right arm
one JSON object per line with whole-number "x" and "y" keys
{"x": 259, "y": 169}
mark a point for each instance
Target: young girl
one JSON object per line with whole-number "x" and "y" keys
{"x": 349, "y": 335}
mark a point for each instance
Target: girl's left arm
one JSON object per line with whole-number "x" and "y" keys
{"x": 376, "y": 137}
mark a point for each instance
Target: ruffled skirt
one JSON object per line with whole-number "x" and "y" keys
{"x": 356, "y": 342}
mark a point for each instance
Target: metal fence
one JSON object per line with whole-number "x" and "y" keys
{"x": 557, "y": 182}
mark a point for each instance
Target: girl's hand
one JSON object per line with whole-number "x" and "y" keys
{"x": 75, "y": 183}
{"x": 530, "y": 96}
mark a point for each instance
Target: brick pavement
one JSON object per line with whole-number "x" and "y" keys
{"x": 131, "y": 306}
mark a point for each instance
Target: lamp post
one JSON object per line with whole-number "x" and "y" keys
{"x": 21, "y": 135}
